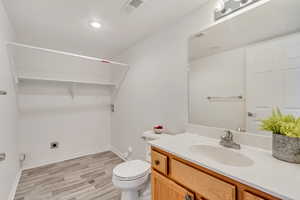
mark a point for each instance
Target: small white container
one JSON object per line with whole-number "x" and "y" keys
{"x": 158, "y": 131}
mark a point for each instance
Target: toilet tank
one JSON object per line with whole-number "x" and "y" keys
{"x": 149, "y": 136}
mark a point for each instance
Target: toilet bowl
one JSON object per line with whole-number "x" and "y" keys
{"x": 131, "y": 177}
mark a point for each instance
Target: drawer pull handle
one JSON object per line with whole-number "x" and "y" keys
{"x": 156, "y": 162}
{"x": 188, "y": 197}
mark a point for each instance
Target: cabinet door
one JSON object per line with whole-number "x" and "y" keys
{"x": 165, "y": 189}
{"x": 209, "y": 187}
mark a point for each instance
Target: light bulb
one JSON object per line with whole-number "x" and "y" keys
{"x": 95, "y": 24}
{"x": 220, "y": 7}
{"x": 242, "y": 1}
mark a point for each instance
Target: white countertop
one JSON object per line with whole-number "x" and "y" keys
{"x": 278, "y": 178}
{"x": 150, "y": 135}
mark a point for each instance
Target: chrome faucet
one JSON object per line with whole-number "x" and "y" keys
{"x": 227, "y": 141}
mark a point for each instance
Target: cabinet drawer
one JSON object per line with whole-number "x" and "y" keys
{"x": 249, "y": 196}
{"x": 207, "y": 186}
{"x": 159, "y": 162}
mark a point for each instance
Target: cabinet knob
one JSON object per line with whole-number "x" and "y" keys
{"x": 188, "y": 197}
{"x": 156, "y": 162}
{"x": 251, "y": 114}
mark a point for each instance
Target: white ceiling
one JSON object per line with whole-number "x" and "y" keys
{"x": 63, "y": 24}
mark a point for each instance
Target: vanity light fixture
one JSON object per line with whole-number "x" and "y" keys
{"x": 220, "y": 7}
{"x": 95, "y": 24}
{"x": 227, "y": 7}
{"x": 242, "y": 1}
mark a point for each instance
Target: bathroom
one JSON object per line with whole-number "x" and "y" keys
{"x": 149, "y": 99}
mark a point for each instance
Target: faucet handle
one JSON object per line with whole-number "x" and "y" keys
{"x": 228, "y": 135}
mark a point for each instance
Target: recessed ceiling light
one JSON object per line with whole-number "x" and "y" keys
{"x": 95, "y": 24}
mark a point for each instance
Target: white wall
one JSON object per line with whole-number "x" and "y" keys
{"x": 221, "y": 75}
{"x": 80, "y": 125}
{"x": 8, "y": 114}
{"x": 49, "y": 114}
{"x": 155, "y": 90}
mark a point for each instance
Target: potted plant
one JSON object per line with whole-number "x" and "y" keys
{"x": 286, "y": 136}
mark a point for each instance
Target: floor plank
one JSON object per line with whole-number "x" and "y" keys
{"x": 84, "y": 178}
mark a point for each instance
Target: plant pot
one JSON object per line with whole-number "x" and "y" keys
{"x": 286, "y": 148}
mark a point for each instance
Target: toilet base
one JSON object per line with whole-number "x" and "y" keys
{"x": 145, "y": 192}
{"x": 130, "y": 195}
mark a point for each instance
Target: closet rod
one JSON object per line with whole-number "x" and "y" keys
{"x": 66, "y": 53}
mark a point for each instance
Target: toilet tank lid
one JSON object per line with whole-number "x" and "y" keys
{"x": 132, "y": 169}
{"x": 150, "y": 135}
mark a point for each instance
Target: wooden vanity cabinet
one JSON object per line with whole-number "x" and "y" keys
{"x": 174, "y": 178}
{"x": 159, "y": 162}
{"x": 165, "y": 189}
{"x": 249, "y": 196}
{"x": 196, "y": 180}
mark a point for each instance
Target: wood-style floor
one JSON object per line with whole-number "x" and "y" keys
{"x": 84, "y": 178}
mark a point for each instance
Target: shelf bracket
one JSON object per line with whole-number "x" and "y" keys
{"x": 112, "y": 107}
{"x": 71, "y": 90}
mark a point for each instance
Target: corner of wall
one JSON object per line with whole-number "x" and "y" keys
{"x": 116, "y": 151}
{"x": 15, "y": 186}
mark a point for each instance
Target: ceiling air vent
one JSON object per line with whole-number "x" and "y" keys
{"x": 135, "y": 3}
{"x": 132, "y": 4}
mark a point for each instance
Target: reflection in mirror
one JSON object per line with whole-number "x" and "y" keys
{"x": 216, "y": 84}
{"x": 243, "y": 67}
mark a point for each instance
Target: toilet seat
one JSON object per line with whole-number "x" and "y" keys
{"x": 131, "y": 170}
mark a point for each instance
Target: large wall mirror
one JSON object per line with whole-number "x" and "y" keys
{"x": 242, "y": 68}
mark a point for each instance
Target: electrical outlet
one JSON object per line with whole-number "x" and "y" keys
{"x": 22, "y": 157}
{"x": 2, "y": 156}
{"x": 54, "y": 145}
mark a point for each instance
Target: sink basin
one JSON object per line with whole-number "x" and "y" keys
{"x": 222, "y": 155}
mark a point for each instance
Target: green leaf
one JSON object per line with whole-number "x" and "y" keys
{"x": 281, "y": 124}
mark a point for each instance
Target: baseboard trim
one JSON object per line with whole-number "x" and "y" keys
{"x": 117, "y": 152}
{"x": 15, "y": 186}
{"x": 66, "y": 159}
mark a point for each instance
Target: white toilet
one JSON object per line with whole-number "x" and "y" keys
{"x": 133, "y": 177}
